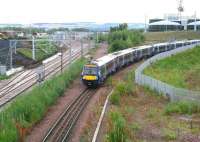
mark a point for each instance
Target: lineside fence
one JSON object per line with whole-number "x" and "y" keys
{"x": 173, "y": 93}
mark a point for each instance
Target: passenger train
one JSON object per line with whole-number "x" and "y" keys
{"x": 97, "y": 71}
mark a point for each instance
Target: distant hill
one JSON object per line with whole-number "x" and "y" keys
{"x": 92, "y": 26}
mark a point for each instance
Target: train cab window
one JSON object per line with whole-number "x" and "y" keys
{"x": 90, "y": 70}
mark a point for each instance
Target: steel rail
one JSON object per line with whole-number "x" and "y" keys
{"x": 61, "y": 129}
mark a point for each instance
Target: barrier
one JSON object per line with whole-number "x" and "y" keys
{"x": 173, "y": 93}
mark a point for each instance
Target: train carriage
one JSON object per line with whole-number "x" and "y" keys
{"x": 97, "y": 71}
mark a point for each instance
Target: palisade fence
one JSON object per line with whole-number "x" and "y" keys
{"x": 173, "y": 93}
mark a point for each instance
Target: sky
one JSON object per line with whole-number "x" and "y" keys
{"x": 100, "y": 11}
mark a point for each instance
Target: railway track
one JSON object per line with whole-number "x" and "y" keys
{"x": 26, "y": 79}
{"x": 62, "y": 128}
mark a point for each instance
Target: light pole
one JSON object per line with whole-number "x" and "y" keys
{"x": 33, "y": 47}
{"x": 11, "y": 58}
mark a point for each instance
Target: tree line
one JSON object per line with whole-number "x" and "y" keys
{"x": 121, "y": 37}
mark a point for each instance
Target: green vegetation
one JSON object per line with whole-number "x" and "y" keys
{"x": 148, "y": 116}
{"x": 169, "y": 135}
{"x": 44, "y": 49}
{"x": 153, "y": 37}
{"x": 28, "y": 109}
{"x": 125, "y": 87}
{"x": 182, "y": 107}
{"x": 117, "y": 132}
{"x": 121, "y": 38}
{"x": 3, "y": 77}
{"x": 181, "y": 70}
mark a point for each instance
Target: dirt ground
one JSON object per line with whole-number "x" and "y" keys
{"x": 145, "y": 118}
{"x": 39, "y": 130}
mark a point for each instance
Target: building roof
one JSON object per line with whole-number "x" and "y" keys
{"x": 194, "y": 23}
{"x": 164, "y": 22}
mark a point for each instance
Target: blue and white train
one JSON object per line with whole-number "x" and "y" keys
{"x": 97, "y": 71}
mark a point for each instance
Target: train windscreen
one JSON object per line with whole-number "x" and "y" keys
{"x": 90, "y": 70}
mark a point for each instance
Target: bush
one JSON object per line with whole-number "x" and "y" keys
{"x": 117, "y": 132}
{"x": 28, "y": 109}
{"x": 122, "y": 38}
{"x": 115, "y": 98}
{"x": 182, "y": 107}
{"x": 169, "y": 135}
{"x": 124, "y": 88}
{"x": 135, "y": 126}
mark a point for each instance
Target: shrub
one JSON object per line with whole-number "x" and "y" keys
{"x": 135, "y": 126}
{"x": 169, "y": 135}
{"x": 115, "y": 98}
{"x": 182, "y": 107}
{"x": 117, "y": 132}
{"x": 124, "y": 88}
{"x": 122, "y": 38}
{"x": 28, "y": 109}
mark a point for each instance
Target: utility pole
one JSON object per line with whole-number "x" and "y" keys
{"x": 97, "y": 38}
{"x": 15, "y": 46}
{"x": 61, "y": 60}
{"x": 33, "y": 47}
{"x": 145, "y": 30}
{"x": 195, "y": 24}
{"x": 81, "y": 48}
{"x": 11, "y": 55}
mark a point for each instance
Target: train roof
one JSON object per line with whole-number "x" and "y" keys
{"x": 109, "y": 57}
{"x": 103, "y": 60}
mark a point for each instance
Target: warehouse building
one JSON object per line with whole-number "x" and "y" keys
{"x": 164, "y": 25}
{"x": 172, "y": 22}
{"x": 193, "y": 25}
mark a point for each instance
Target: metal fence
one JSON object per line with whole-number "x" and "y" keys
{"x": 173, "y": 93}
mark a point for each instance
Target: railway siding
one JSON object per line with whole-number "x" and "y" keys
{"x": 173, "y": 93}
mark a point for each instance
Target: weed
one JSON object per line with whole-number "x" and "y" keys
{"x": 115, "y": 98}
{"x": 135, "y": 126}
{"x": 169, "y": 134}
{"x": 117, "y": 133}
{"x": 182, "y": 107}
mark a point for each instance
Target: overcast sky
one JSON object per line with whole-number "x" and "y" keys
{"x": 30, "y": 11}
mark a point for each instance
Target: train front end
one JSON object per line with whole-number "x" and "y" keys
{"x": 90, "y": 75}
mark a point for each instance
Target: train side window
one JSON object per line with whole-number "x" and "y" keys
{"x": 103, "y": 70}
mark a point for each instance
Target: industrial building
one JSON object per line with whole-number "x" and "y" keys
{"x": 173, "y": 23}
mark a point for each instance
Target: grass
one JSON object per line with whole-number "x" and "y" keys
{"x": 182, "y": 107}
{"x": 28, "y": 109}
{"x": 149, "y": 116}
{"x": 117, "y": 132}
{"x": 153, "y": 37}
{"x": 43, "y": 50}
{"x": 3, "y": 77}
{"x": 181, "y": 70}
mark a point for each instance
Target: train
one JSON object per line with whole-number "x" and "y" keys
{"x": 96, "y": 72}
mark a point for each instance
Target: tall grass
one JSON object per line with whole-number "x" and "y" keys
{"x": 3, "y": 77}
{"x": 121, "y": 88}
{"x": 182, "y": 107}
{"x": 117, "y": 133}
{"x": 28, "y": 109}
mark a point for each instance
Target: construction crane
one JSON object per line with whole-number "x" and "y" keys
{"x": 180, "y": 8}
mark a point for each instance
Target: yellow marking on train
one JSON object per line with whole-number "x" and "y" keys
{"x": 89, "y": 77}
{"x": 90, "y": 65}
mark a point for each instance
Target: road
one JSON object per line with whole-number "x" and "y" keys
{"x": 50, "y": 67}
